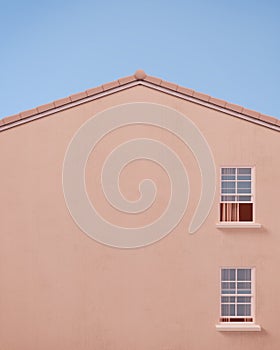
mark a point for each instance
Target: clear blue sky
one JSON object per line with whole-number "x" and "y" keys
{"x": 228, "y": 49}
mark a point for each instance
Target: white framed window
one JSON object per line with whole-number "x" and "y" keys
{"x": 237, "y": 294}
{"x": 237, "y": 195}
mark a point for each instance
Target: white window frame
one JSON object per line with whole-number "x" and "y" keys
{"x": 237, "y": 325}
{"x": 251, "y": 295}
{"x": 243, "y": 224}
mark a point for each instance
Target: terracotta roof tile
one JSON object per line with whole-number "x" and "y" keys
{"x": 62, "y": 102}
{"x": 11, "y": 119}
{"x": 268, "y": 119}
{"x": 78, "y": 96}
{"x": 28, "y": 113}
{"x": 138, "y": 76}
{"x": 126, "y": 80}
{"x": 185, "y": 91}
{"x": 95, "y": 90}
{"x": 111, "y": 85}
{"x": 168, "y": 85}
{"x": 251, "y": 113}
{"x": 217, "y": 101}
{"x": 45, "y": 107}
{"x": 234, "y": 107}
{"x": 201, "y": 96}
{"x": 152, "y": 80}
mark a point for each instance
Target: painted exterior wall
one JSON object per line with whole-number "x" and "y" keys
{"x": 62, "y": 289}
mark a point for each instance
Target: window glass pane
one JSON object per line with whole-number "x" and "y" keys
{"x": 244, "y": 177}
{"x": 229, "y": 177}
{"x": 242, "y": 291}
{"x": 244, "y": 299}
{"x": 244, "y": 285}
{"x": 228, "y": 171}
{"x": 228, "y": 310}
{"x": 229, "y": 190}
{"x": 244, "y": 190}
{"x": 228, "y": 285}
{"x": 229, "y": 198}
{"x": 243, "y": 184}
{"x": 244, "y": 171}
{"x": 228, "y": 299}
{"x": 244, "y": 274}
{"x": 244, "y": 198}
{"x": 228, "y": 184}
{"x": 243, "y": 310}
{"x": 225, "y": 310}
{"x": 232, "y": 309}
{"x": 228, "y": 274}
{"x": 230, "y": 291}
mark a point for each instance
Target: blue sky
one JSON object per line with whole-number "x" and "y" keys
{"x": 228, "y": 49}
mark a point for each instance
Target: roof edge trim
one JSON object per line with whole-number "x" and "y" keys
{"x": 210, "y": 105}
{"x": 139, "y": 78}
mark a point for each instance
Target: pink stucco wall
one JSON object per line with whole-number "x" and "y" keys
{"x": 61, "y": 289}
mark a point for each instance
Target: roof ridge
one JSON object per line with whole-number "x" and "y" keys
{"x": 139, "y": 75}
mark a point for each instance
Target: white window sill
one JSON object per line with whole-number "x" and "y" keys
{"x": 238, "y": 224}
{"x": 238, "y": 327}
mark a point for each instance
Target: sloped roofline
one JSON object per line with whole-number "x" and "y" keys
{"x": 139, "y": 78}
